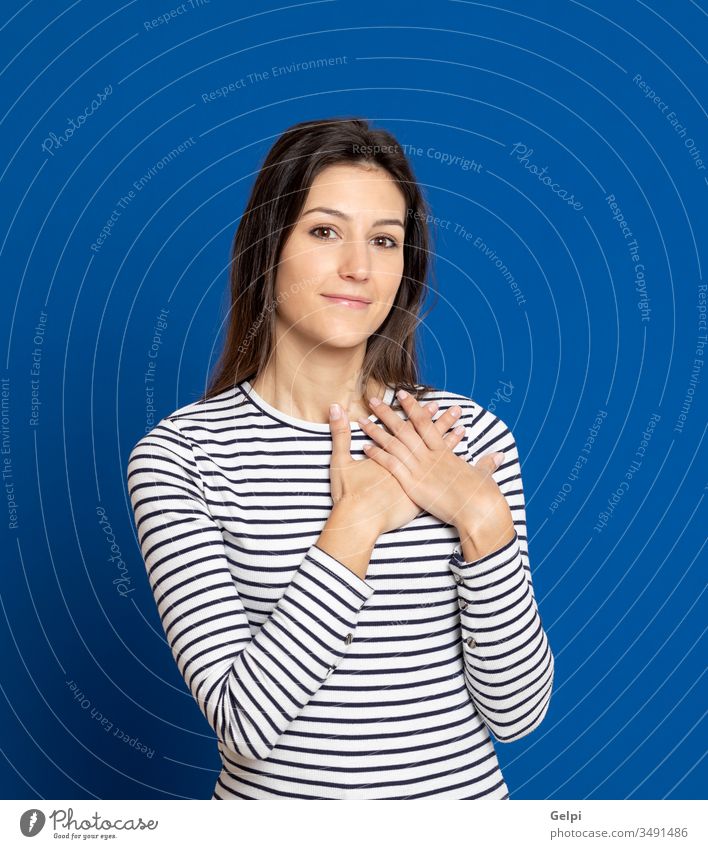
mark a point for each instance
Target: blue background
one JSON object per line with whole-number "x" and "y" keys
{"x": 550, "y": 336}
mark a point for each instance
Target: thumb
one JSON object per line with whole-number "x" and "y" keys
{"x": 341, "y": 434}
{"x": 490, "y": 462}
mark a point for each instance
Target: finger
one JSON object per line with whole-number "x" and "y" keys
{"x": 387, "y": 460}
{"x": 445, "y": 421}
{"x": 424, "y": 427}
{"x": 410, "y": 437}
{"x": 490, "y": 462}
{"x": 402, "y": 429}
{"x": 448, "y": 419}
{"x": 386, "y": 441}
{"x": 454, "y": 437}
{"x": 341, "y": 435}
{"x": 383, "y": 438}
{"x": 430, "y": 432}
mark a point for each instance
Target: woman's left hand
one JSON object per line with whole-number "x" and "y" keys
{"x": 439, "y": 481}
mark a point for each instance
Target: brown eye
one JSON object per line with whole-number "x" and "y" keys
{"x": 394, "y": 243}
{"x": 324, "y": 238}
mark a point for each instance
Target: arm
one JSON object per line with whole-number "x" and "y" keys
{"x": 509, "y": 665}
{"x": 249, "y": 688}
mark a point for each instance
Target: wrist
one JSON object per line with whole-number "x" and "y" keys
{"x": 347, "y": 517}
{"x": 481, "y": 538}
{"x": 349, "y": 539}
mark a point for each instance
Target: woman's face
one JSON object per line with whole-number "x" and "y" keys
{"x": 347, "y": 241}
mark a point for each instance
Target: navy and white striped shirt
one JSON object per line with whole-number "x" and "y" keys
{"x": 318, "y": 684}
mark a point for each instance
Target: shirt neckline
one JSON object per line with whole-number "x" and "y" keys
{"x": 316, "y": 427}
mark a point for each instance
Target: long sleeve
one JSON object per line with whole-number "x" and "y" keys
{"x": 249, "y": 688}
{"x": 508, "y": 661}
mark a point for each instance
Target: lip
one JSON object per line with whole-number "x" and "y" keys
{"x": 350, "y": 301}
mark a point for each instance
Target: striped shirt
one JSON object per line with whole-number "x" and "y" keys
{"x": 317, "y": 683}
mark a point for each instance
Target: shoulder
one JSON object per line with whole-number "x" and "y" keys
{"x": 486, "y": 430}
{"x": 446, "y": 398}
{"x": 163, "y": 446}
{"x": 206, "y": 412}
{"x": 173, "y": 438}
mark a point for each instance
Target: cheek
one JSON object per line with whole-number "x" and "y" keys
{"x": 301, "y": 265}
{"x": 391, "y": 276}
{"x": 296, "y": 286}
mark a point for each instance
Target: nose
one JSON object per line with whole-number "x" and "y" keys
{"x": 355, "y": 260}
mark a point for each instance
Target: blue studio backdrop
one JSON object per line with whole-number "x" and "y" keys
{"x": 562, "y": 147}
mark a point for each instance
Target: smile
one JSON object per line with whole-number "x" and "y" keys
{"x": 347, "y": 302}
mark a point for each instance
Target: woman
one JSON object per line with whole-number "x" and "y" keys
{"x": 347, "y": 594}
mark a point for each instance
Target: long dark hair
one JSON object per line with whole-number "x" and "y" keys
{"x": 275, "y": 204}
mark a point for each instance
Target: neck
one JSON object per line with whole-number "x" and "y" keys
{"x": 305, "y": 387}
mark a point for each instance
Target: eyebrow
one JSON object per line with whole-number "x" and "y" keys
{"x": 329, "y": 211}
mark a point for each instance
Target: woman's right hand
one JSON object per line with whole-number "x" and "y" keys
{"x": 373, "y": 495}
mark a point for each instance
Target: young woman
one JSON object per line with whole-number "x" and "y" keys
{"x": 341, "y": 571}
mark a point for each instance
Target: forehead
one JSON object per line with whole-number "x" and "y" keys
{"x": 353, "y": 188}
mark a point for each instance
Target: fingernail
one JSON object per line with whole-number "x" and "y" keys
{"x": 459, "y": 430}
{"x": 498, "y": 457}
{"x": 432, "y": 406}
{"x": 334, "y": 411}
{"x": 363, "y": 422}
{"x": 455, "y": 411}
{"x": 374, "y": 401}
{"x": 402, "y": 394}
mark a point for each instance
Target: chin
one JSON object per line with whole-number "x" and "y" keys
{"x": 338, "y": 335}
{"x": 343, "y": 339}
